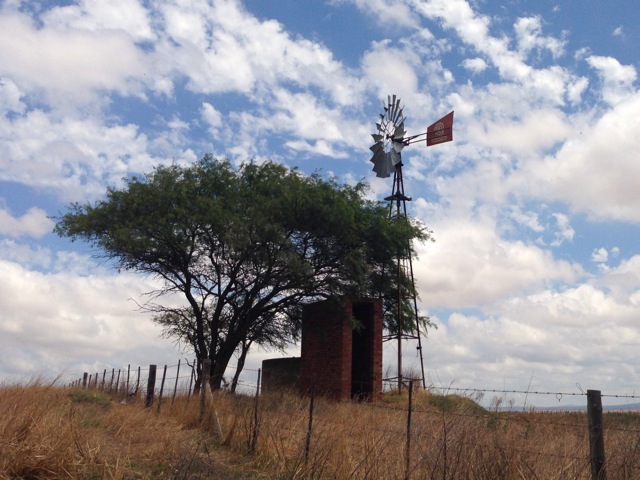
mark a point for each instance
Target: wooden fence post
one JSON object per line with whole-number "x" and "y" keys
{"x": 164, "y": 375}
{"x": 85, "y": 376}
{"x": 118, "y": 382}
{"x": 206, "y": 378}
{"x": 175, "y": 386}
{"x": 128, "y": 375}
{"x": 151, "y": 385}
{"x": 407, "y": 459}
{"x": 256, "y": 419}
{"x": 307, "y": 442}
{"x": 596, "y": 435}
{"x": 191, "y": 381}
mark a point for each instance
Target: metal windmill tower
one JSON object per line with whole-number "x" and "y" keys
{"x": 389, "y": 141}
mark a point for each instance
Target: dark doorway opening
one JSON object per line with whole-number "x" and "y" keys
{"x": 362, "y": 350}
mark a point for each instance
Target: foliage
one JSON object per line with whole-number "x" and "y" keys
{"x": 245, "y": 248}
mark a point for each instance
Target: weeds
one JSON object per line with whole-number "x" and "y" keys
{"x": 47, "y": 432}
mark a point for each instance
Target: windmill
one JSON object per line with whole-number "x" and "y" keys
{"x": 389, "y": 141}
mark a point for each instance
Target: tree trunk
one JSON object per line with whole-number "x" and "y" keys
{"x": 243, "y": 356}
{"x": 219, "y": 366}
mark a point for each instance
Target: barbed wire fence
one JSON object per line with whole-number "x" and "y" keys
{"x": 157, "y": 386}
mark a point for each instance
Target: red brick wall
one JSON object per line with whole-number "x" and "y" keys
{"x": 327, "y": 349}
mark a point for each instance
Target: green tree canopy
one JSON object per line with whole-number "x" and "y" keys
{"x": 245, "y": 248}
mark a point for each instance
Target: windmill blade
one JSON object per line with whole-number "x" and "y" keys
{"x": 398, "y": 146}
{"x": 395, "y": 157}
{"x": 388, "y": 170}
{"x": 378, "y": 157}
{"x": 381, "y": 164}
{"x": 399, "y": 132}
{"x": 385, "y": 169}
{"x": 377, "y": 137}
{"x": 398, "y": 111}
{"x": 376, "y": 146}
{"x": 392, "y": 108}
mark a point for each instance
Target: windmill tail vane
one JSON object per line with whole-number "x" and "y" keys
{"x": 438, "y": 132}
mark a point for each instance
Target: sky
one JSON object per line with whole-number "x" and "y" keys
{"x": 534, "y": 276}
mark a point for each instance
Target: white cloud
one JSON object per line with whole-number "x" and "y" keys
{"x": 529, "y": 37}
{"x": 74, "y": 157}
{"x": 69, "y": 66}
{"x": 618, "y": 80}
{"x": 223, "y": 48}
{"x": 600, "y": 255}
{"x": 529, "y": 219}
{"x": 389, "y": 14}
{"x": 565, "y": 231}
{"x": 95, "y": 15}
{"x": 475, "y": 65}
{"x": 10, "y": 96}
{"x": 34, "y": 223}
{"x": 73, "y": 320}
{"x": 595, "y": 170}
{"x": 391, "y": 70}
{"x": 469, "y": 265}
{"x": 211, "y": 116}
{"x": 536, "y": 131}
{"x": 35, "y": 257}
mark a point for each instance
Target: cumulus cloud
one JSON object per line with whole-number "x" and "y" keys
{"x": 42, "y": 58}
{"x": 92, "y": 91}
{"x": 470, "y": 265}
{"x": 74, "y": 157}
{"x": 475, "y": 65}
{"x": 94, "y": 15}
{"x": 600, "y": 255}
{"x": 225, "y": 49}
{"x": 618, "y": 80}
{"x": 529, "y": 37}
{"x": 93, "y": 318}
{"x": 585, "y": 173}
{"x": 33, "y": 223}
{"x": 389, "y": 14}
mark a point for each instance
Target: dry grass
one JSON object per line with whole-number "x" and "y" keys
{"x": 46, "y": 432}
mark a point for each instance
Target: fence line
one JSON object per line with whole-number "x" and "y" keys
{"x": 115, "y": 382}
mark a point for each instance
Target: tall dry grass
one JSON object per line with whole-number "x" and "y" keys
{"x": 451, "y": 438}
{"x": 47, "y": 432}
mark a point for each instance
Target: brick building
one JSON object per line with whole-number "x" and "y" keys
{"x": 338, "y": 360}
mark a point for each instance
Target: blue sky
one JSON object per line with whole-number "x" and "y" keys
{"x": 534, "y": 278}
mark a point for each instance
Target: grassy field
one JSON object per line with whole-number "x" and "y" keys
{"x": 50, "y": 432}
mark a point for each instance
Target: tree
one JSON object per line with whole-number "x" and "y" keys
{"x": 245, "y": 248}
